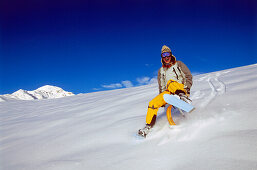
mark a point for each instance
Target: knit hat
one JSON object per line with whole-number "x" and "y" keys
{"x": 165, "y": 49}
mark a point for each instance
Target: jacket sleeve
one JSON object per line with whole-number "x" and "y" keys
{"x": 188, "y": 76}
{"x": 160, "y": 82}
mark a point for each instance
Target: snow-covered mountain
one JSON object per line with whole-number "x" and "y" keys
{"x": 45, "y": 92}
{"x": 96, "y": 131}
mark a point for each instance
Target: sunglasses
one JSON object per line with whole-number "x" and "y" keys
{"x": 166, "y": 54}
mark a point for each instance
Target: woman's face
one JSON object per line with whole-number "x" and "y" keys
{"x": 167, "y": 59}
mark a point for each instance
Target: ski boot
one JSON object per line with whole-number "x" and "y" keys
{"x": 143, "y": 132}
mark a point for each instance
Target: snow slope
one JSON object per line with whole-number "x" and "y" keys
{"x": 45, "y": 92}
{"x": 97, "y": 130}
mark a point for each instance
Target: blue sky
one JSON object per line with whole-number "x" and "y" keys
{"x": 86, "y": 46}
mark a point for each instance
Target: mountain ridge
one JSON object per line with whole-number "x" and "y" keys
{"x": 44, "y": 92}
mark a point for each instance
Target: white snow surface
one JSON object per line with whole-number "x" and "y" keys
{"x": 97, "y": 131}
{"x": 45, "y": 92}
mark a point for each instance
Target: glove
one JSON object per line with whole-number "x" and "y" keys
{"x": 187, "y": 91}
{"x": 173, "y": 86}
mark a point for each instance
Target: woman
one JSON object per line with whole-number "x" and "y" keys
{"x": 173, "y": 78}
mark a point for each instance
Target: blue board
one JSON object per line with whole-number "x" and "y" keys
{"x": 174, "y": 101}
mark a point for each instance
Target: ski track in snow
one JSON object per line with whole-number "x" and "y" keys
{"x": 217, "y": 87}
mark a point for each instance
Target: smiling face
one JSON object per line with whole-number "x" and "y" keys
{"x": 167, "y": 59}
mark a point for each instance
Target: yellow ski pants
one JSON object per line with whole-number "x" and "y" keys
{"x": 158, "y": 101}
